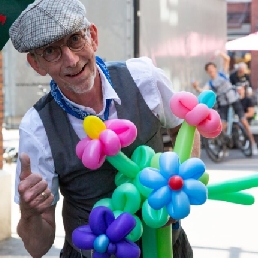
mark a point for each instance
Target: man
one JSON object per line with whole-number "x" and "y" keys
{"x": 61, "y": 42}
{"x": 240, "y": 76}
{"x": 226, "y": 94}
{"x": 247, "y": 104}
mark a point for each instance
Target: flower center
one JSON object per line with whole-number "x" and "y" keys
{"x": 175, "y": 183}
{"x": 93, "y": 126}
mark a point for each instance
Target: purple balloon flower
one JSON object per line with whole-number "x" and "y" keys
{"x": 175, "y": 186}
{"x": 107, "y": 235}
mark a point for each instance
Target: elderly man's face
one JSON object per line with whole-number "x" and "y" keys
{"x": 75, "y": 71}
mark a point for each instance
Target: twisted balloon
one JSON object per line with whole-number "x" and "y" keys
{"x": 185, "y": 105}
{"x": 107, "y": 235}
{"x": 175, "y": 185}
{"x": 104, "y": 139}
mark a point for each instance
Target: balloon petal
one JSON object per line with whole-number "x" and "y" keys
{"x": 207, "y": 97}
{"x": 121, "y": 179}
{"x": 80, "y": 147}
{"x": 93, "y": 156}
{"x": 155, "y": 161}
{"x": 182, "y": 102}
{"x": 154, "y": 218}
{"x": 106, "y": 202}
{"x": 211, "y": 122}
{"x": 179, "y": 207}
{"x": 197, "y": 115}
{"x": 142, "y": 156}
{"x": 127, "y": 249}
{"x": 169, "y": 164}
{"x": 83, "y": 238}
{"x": 160, "y": 197}
{"x": 126, "y": 198}
{"x": 211, "y": 134}
{"x": 137, "y": 232}
{"x": 144, "y": 191}
{"x": 196, "y": 191}
{"x": 192, "y": 168}
{"x": 125, "y": 130}
{"x": 120, "y": 227}
{"x": 99, "y": 220}
{"x": 151, "y": 178}
{"x": 110, "y": 141}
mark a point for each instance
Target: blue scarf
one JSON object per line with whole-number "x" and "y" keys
{"x": 70, "y": 108}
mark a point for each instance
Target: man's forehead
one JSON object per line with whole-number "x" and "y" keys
{"x": 62, "y": 40}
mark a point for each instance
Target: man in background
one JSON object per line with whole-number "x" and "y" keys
{"x": 240, "y": 76}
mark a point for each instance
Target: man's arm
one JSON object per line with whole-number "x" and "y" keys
{"x": 37, "y": 223}
{"x": 198, "y": 89}
{"x": 196, "y": 145}
{"x": 226, "y": 61}
{"x": 250, "y": 109}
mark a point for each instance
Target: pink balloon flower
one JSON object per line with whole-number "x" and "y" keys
{"x": 104, "y": 139}
{"x": 185, "y": 105}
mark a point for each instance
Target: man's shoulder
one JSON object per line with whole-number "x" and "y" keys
{"x": 143, "y": 60}
{"x": 30, "y": 120}
{"x": 41, "y": 103}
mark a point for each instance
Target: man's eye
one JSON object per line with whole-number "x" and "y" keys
{"x": 75, "y": 38}
{"x": 49, "y": 51}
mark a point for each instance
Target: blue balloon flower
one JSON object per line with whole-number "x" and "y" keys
{"x": 175, "y": 185}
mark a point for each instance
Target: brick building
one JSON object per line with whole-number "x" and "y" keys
{"x": 1, "y": 111}
{"x": 242, "y": 19}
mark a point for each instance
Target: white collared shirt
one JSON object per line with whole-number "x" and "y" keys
{"x": 155, "y": 88}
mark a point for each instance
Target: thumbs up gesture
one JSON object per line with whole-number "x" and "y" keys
{"x": 35, "y": 196}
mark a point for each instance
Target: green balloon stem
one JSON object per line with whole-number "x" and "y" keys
{"x": 204, "y": 178}
{"x": 123, "y": 164}
{"x": 164, "y": 242}
{"x": 237, "y": 198}
{"x": 234, "y": 185}
{"x": 184, "y": 141}
{"x": 149, "y": 242}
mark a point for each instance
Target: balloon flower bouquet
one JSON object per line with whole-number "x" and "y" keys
{"x": 151, "y": 187}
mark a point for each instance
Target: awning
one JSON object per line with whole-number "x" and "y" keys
{"x": 249, "y": 42}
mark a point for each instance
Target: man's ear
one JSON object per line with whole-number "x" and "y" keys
{"x": 94, "y": 37}
{"x": 34, "y": 63}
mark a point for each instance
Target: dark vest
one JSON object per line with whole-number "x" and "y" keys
{"x": 82, "y": 187}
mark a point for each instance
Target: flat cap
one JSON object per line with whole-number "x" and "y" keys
{"x": 47, "y": 21}
{"x": 9, "y": 11}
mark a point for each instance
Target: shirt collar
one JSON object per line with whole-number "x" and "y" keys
{"x": 108, "y": 93}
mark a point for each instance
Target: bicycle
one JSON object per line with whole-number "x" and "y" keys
{"x": 234, "y": 137}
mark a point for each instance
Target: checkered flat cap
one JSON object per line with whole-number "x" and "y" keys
{"x": 46, "y": 21}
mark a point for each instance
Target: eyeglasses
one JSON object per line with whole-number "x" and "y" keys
{"x": 53, "y": 53}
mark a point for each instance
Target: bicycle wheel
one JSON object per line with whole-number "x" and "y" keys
{"x": 215, "y": 148}
{"x": 241, "y": 139}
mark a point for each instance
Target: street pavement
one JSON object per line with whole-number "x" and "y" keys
{"x": 215, "y": 230}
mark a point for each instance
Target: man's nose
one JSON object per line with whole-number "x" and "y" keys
{"x": 69, "y": 57}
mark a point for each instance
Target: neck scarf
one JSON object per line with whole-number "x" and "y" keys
{"x": 69, "y": 107}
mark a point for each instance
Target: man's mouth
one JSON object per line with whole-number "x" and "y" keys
{"x": 78, "y": 73}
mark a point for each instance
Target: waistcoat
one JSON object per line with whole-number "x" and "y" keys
{"x": 82, "y": 187}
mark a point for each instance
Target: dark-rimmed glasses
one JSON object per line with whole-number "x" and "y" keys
{"x": 75, "y": 43}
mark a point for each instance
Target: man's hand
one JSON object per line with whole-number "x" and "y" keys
{"x": 35, "y": 196}
{"x": 195, "y": 85}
